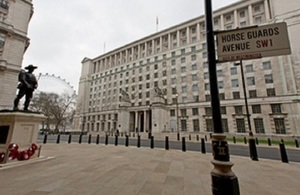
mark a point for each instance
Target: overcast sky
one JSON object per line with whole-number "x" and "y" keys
{"x": 63, "y": 32}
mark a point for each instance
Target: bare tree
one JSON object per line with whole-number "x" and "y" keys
{"x": 59, "y": 109}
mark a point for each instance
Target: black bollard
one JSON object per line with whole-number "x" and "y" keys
{"x": 152, "y": 142}
{"x": 139, "y": 141}
{"x": 190, "y": 137}
{"x": 234, "y": 140}
{"x": 80, "y": 139}
{"x": 58, "y": 139}
{"x": 296, "y": 143}
{"x": 252, "y": 149}
{"x": 205, "y": 137}
{"x": 90, "y": 139}
{"x": 127, "y": 141}
{"x": 116, "y": 140}
{"x": 245, "y": 140}
{"x": 197, "y": 137}
{"x": 256, "y": 140}
{"x": 70, "y": 139}
{"x": 203, "y": 149}
{"x": 98, "y": 139}
{"x": 183, "y": 144}
{"x": 45, "y": 138}
{"x": 269, "y": 142}
{"x": 178, "y": 136}
{"x": 282, "y": 140}
{"x": 167, "y": 143}
{"x": 149, "y": 135}
{"x": 106, "y": 139}
{"x": 283, "y": 153}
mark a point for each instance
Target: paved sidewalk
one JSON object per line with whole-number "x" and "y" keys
{"x": 99, "y": 169}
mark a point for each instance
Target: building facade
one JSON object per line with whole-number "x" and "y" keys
{"x": 161, "y": 82}
{"x": 14, "y": 19}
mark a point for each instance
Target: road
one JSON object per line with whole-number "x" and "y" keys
{"x": 265, "y": 152}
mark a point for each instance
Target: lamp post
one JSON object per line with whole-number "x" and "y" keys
{"x": 150, "y": 123}
{"x": 177, "y": 116}
{"x": 224, "y": 180}
{"x": 252, "y": 146}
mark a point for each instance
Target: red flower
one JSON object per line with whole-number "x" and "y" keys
{"x": 23, "y": 156}
{"x": 34, "y": 146}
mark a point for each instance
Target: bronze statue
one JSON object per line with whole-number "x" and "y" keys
{"x": 27, "y": 84}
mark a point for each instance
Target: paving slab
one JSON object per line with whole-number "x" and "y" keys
{"x": 107, "y": 169}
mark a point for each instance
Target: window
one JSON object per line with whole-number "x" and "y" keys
{"x": 156, "y": 75}
{"x": 147, "y": 85}
{"x": 148, "y": 68}
{"x": 256, "y": 109}
{"x": 164, "y": 82}
{"x": 221, "y": 96}
{"x": 258, "y": 20}
{"x": 196, "y": 98}
{"x": 249, "y": 68}
{"x": 182, "y": 60}
{"x": 195, "y": 88}
{"x": 195, "y": 111}
{"x": 148, "y": 76}
{"x": 174, "y": 91}
{"x": 236, "y": 95}
{"x": 182, "y": 51}
{"x": 206, "y": 86}
{"x": 266, "y": 65}
{"x": 194, "y": 67}
{"x": 233, "y": 71}
{"x": 223, "y": 110}
{"x": 183, "y": 69}
{"x": 196, "y": 125}
{"x": 205, "y": 64}
{"x": 155, "y": 66}
{"x": 147, "y": 94}
{"x": 183, "y": 79}
{"x": 164, "y": 73}
{"x": 279, "y": 125}
{"x": 183, "y": 112}
{"x": 208, "y": 111}
{"x": 204, "y": 55}
{"x": 221, "y": 84}
{"x": 250, "y": 81}
{"x": 242, "y": 14}
{"x": 269, "y": 78}
{"x": 243, "y": 24}
{"x": 225, "y": 125}
{"x": 193, "y": 48}
{"x": 172, "y": 112}
{"x": 173, "y": 81}
{"x": 184, "y": 99}
{"x": 194, "y": 77}
{"x": 219, "y": 73}
{"x": 193, "y": 57}
{"x": 259, "y": 125}
{"x": 173, "y": 54}
{"x": 209, "y": 125}
{"x": 173, "y": 62}
{"x": 206, "y": 75}
{"x": 276, "y": 108}
{"x": 173, "y": 71}
{"x": 228, "y": 18}
{"x": 183, "y": 89}
{"x": 252, "y": 93}
{"x": 271, "y": 92}
{"x": 234, "y": 83}
{"x": 240, "y": 125}
{"x": 207, "y": 98}
{"x": 238, "y": 110}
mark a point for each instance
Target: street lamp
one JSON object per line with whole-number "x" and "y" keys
{"x": 177, "y": 116}
{"x": 150, "y": 123}
{"x": 224, "y": 181}
{"x": 252, "y": 146}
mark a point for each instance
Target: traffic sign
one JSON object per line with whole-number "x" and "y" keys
{"x": 253, "y": 42}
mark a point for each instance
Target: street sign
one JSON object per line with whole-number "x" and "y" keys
{"x": 253, "y": 42}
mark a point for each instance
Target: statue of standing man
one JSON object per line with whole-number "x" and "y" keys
{"x": 27, "y": 84}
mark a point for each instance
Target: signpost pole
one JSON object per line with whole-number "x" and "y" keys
{"x": 224, "y": 180}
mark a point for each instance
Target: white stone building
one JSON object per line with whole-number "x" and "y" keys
{"x": 14, "y": 19}
{"x": 161, "y": 82}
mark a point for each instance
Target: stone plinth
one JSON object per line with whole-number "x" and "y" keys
{"x": 20, "y": 128}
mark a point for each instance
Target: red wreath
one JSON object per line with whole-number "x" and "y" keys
{"x": 14, "y": 152}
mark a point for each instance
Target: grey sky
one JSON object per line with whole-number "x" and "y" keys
{"x": 62, "y": 33}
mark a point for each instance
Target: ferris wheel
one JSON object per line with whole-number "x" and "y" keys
{"x": 55, "y": 84}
